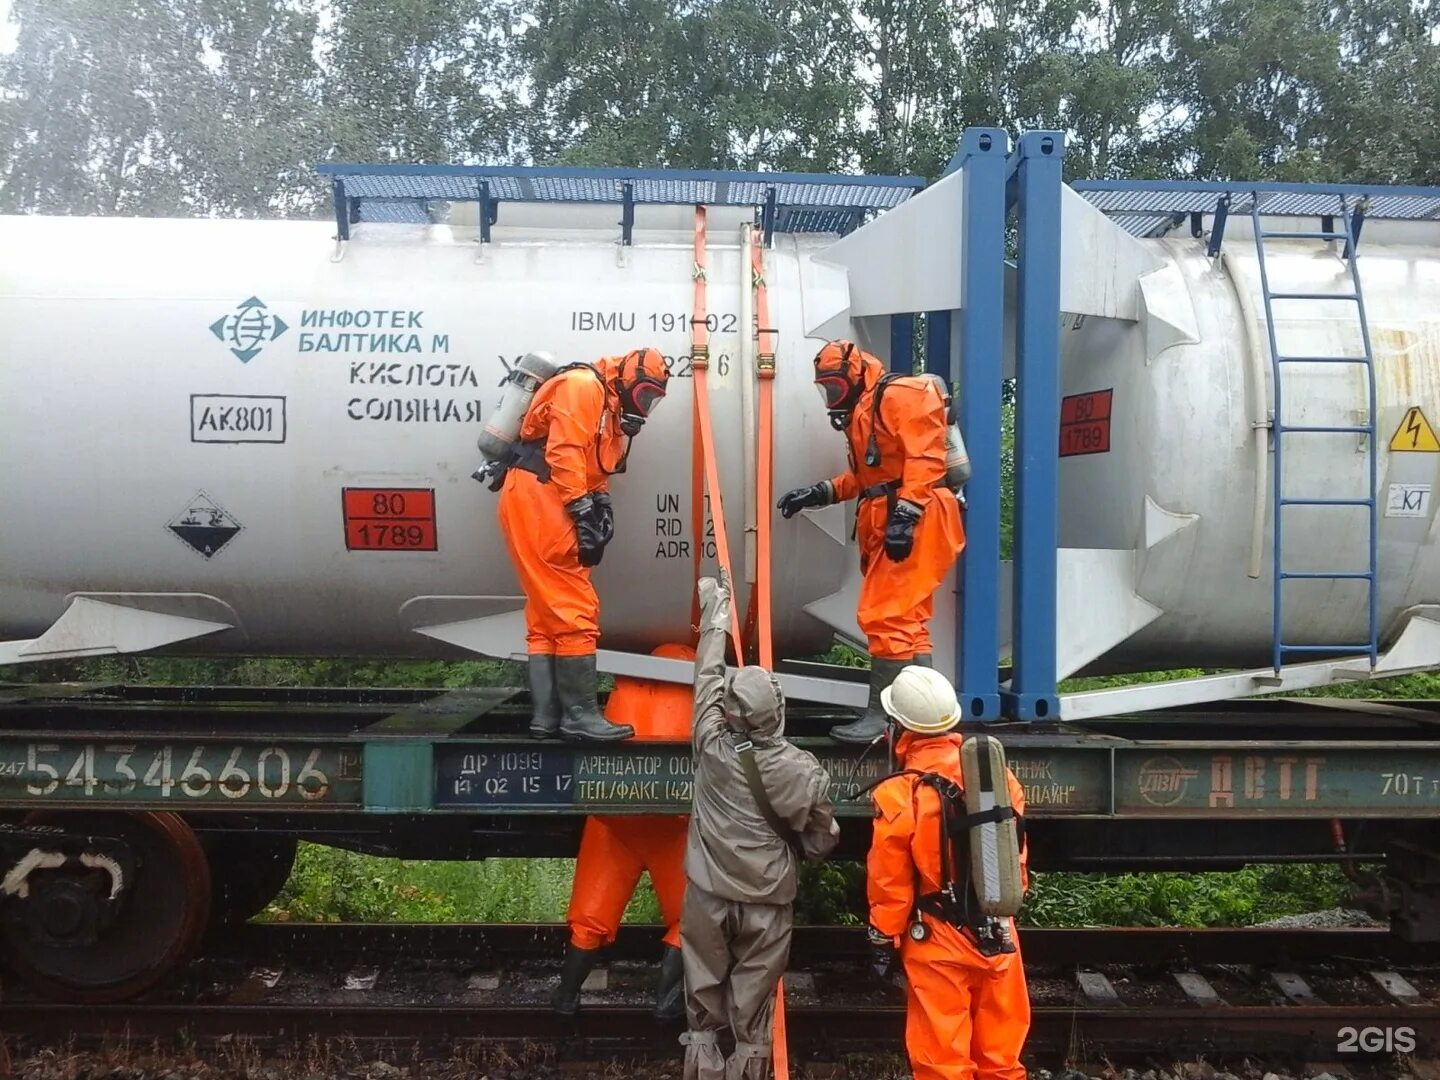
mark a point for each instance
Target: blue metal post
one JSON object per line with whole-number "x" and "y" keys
{"x": 982, "y": 155}
{"x": 937, "y": 343}
{"x": 902, "y": 343}
{"x": 1038, "y": 159}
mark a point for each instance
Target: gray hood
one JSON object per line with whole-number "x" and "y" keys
{"x": 753, "y": 702}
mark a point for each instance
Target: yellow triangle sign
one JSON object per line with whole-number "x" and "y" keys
{"x": 1415, "y": 433}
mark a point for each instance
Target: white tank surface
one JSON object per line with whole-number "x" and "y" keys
{"x": 215, "y": 434}
{"x": 1167, "y": 467}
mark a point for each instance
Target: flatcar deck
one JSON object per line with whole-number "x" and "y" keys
{"x": 465, "y": 751}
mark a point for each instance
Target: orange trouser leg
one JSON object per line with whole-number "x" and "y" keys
{"x": 663, "y": 848}
{"x": 1000, "y": 1005}
{"x": 606, "y": 873}
{"x": 897, "y": 600}
{"x": 562, "y": 612}
{"x": 938, "y": 1025}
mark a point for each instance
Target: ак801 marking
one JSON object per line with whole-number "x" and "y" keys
{"x": 120, "y": 770}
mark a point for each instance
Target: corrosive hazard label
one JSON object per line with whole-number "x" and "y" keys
{"x": 1415, "y": 433}
{"x": 1085, "y": 423}
{"x": 389, "y": 519}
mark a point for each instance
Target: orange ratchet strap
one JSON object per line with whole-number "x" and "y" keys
{"x": 700, "y": 365}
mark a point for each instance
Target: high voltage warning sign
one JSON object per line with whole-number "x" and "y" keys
{"x": 1415, "y": 433}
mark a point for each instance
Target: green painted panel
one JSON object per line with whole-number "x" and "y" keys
{"x": 178, "y": 773}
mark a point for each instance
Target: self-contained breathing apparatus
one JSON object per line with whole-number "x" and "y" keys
{"x": 981, "y": 836}
{"x": 499, "y": 442}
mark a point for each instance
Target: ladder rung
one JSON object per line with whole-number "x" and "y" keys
{"x": 1366, "y": 359}
{"x": 1327, "y": 502}
{"x": 1326, "y": 575}
{"x": 1303, "y": 236}
{"x": 1285, "y": 429}
{"x": 1363, "y": 647}
{"x": 1312, "y": 296}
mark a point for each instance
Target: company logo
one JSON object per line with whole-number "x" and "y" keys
{"x": 1163, "y": 781}
{"x": 248, "y": 328}
{"x": 1375, "y": 1040}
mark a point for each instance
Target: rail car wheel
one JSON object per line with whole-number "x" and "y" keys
{"x": 85, "y": 933}
{"x": 247, "y": 871}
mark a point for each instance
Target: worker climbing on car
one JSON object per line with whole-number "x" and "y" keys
{"x": 908, "y": 522}
{"x": 556, "y": 515}
{"x": 945, "y": 873}
{"x": 760, "y": 805}
{"x": 614, "y": 851}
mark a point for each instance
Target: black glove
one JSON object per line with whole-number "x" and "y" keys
{"x": 606, "y": 514}
{"x": 792, "y": 502}
{"x": 900, "y": 530}
{"x": 588, "y": 532}
{"x": 884, "y": 956}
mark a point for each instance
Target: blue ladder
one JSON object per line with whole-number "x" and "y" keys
{"x": 1279, "y": 361}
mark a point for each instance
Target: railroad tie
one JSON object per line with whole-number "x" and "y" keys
{"x": 1097, "y": 988}
{"x": 1296, "y": 989}
{"x": 1197, "y": 989}
{"x": 1398, "y": 987}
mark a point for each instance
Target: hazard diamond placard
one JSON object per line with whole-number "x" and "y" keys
{"x": 1415, "y": 433}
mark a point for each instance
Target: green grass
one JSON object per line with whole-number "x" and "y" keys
{"x": 330, "y": 885}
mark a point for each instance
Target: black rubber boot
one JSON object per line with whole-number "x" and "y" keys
{"x": 670, "y": 991}
{"x": 578, "y": 964}
{"x": 872, "y": 725}
{"x": 577, "y": 681}
{"x": 545, "y": 723}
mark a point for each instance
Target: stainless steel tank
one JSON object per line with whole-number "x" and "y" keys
{"x": 217, "y": 421}
{"x": 1168, "y": 450}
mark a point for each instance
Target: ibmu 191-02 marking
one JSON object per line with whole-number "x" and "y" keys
{"x": 176, "y": 772}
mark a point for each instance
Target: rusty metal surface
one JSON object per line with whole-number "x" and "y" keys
{"x": 515, "y": 943}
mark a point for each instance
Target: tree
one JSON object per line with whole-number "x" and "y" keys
{"x": 420, "y": 81}
{"x": 722, "y": 83}
{"x": 99, "y": 105}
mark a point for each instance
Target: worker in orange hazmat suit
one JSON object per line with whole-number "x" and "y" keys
{"x": 908, "y": 523}
{"x": 614, "y": 851}
{"x": 556, "y": 515}
{"x": 968, "y": 1011}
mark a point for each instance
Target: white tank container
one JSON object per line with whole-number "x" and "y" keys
{"x": 213, "y": 419}
{"x": 1189, "y": 394}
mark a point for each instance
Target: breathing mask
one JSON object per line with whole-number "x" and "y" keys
{"x": 640, "y": 385}
{"x": 839, "y": 378}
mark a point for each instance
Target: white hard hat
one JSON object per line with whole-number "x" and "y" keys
{"x": 921, "y": 700}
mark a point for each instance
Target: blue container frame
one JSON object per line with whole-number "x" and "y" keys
{"x": 997, "y": 180}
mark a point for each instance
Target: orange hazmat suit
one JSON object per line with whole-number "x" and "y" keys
{"x": 967, "y": 1014}
{"x": 897, "y": 599}
{"x": 575, "y": 414}
{"x": 614, "y": 851}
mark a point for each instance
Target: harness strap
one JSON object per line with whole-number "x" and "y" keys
{"x": 745, "y": 751}
{"x": 891, "y": 487}
{"x": 530, "y": 456}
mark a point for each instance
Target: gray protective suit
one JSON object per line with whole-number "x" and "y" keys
{"x": 735, "y": 925}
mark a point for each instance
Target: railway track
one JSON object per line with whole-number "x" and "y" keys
{"x": 1095, "y": 992}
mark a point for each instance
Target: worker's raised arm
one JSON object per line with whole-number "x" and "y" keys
{"x": 709, "y": 720}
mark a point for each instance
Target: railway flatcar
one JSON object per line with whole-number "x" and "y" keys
{"x": 229, "y": 438}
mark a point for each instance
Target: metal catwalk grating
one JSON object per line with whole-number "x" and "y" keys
{"x": 1151, "y": 207}
{"x": 799, "y": 202}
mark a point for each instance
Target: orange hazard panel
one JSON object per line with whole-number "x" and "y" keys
{"x": 1085, "y": 423}
{"x": 389, "y": 519}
